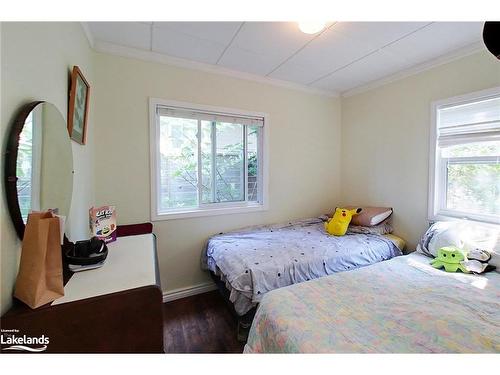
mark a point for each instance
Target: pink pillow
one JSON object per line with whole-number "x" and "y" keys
{"x": 370, "y": 216}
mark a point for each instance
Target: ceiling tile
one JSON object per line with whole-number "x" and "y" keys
{"x": 375, "y": 66}
{"x": 259, "y": 47}
{"x": 186, "y": 46}
{"x": 436, "y": 39}
{"x": 277, "y": 39}
{"x": 330, "y": 51}
{"x": 129, "y": 34}
{"x": 298, "y": 73}
{"x": 377, "y": 34}
{"x": 248, "y": 61}
{"x": 219, "y": 32}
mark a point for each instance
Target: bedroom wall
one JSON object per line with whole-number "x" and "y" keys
{"x": 304, "y": 151}
{"x": 385, "y": 138}
{"x": 36, "y": 61}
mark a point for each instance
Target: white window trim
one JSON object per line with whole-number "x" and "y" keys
{"x": 436, "y": 195}
{"x": 206, "y": 209}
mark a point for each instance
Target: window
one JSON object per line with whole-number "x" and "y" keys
{"x": 28, "y": 166}
{"x": 206, "y": 160}
{"x": 465, "y": 157}
{"x": 24, "y": 170}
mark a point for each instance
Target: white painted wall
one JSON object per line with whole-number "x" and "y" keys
{"x": 36, "y": 61}
{"x": 385, "y": 138}
{"x": 304, "y": 151}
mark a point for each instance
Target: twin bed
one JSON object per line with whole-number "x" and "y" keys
{"x": 247, "y": 264}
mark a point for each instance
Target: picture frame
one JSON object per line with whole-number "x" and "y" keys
{"x": 78, "y": 106}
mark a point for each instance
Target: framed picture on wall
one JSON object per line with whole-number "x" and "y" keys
{"x": 78, "y": 106}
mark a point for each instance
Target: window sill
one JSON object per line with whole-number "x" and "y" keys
{"x": 200, "y": 212}
{"x": 479, "y": 220}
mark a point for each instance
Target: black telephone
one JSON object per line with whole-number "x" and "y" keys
{"x": 87, "y": 253}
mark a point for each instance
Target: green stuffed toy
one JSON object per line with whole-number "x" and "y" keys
{"x": 338, "y": 224}
{"x": 451, "y": 259}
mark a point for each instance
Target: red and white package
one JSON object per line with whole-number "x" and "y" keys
{"x": 103, "y": 223}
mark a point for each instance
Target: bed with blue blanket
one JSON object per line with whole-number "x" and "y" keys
{"x": 257, "y": 260}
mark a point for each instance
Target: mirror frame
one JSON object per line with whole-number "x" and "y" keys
{"x": 10, "y": 167}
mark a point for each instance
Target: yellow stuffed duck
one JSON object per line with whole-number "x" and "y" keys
{"x": 338, "y": 224}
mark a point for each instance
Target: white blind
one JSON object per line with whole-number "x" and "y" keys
{"x": 188, "y": 113}
{"x": 469, "y": 122}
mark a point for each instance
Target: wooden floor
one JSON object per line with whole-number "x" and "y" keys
{"x": 200, "y": 324}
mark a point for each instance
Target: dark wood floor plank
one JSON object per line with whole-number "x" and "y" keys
{"x": 200, "y": 324}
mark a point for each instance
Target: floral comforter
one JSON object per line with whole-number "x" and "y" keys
{"x": 402, "y": 305}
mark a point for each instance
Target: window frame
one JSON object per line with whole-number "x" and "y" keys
{"x": 438, "y": 166}
{"x": 207, "y": 209}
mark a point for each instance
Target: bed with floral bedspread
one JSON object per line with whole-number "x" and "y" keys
{"x": 402, "y": 305}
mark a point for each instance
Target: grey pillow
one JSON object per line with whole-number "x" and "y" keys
{"x": 384, "y": 227}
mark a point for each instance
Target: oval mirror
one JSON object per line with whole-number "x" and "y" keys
{"x": 39, "y": 164}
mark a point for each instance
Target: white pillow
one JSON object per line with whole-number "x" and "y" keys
{"x": 464, "y": 235}
{"x": 487, "y": 238}
{"x": 441, "y": 234}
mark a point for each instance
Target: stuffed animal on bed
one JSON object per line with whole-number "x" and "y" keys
{"x": 338, "y": 224}
{"x": 451, "y": 258}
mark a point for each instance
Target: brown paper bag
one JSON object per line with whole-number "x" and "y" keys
{"x": 40, "y": 277}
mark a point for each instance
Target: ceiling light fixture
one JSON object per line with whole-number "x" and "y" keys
{"x": 311, "y": 27}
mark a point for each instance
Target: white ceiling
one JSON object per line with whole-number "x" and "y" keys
{"x": 342, "y": 57}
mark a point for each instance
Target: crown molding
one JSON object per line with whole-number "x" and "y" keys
{"x": 444, "y": 59}
{"x": 88, "y": 33}
{"x": 134, "y": 53}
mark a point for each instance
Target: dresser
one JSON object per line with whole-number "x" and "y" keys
{"x": 113, "y": 309}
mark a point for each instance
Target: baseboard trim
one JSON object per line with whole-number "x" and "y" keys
{"x": 175, "y": 294}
